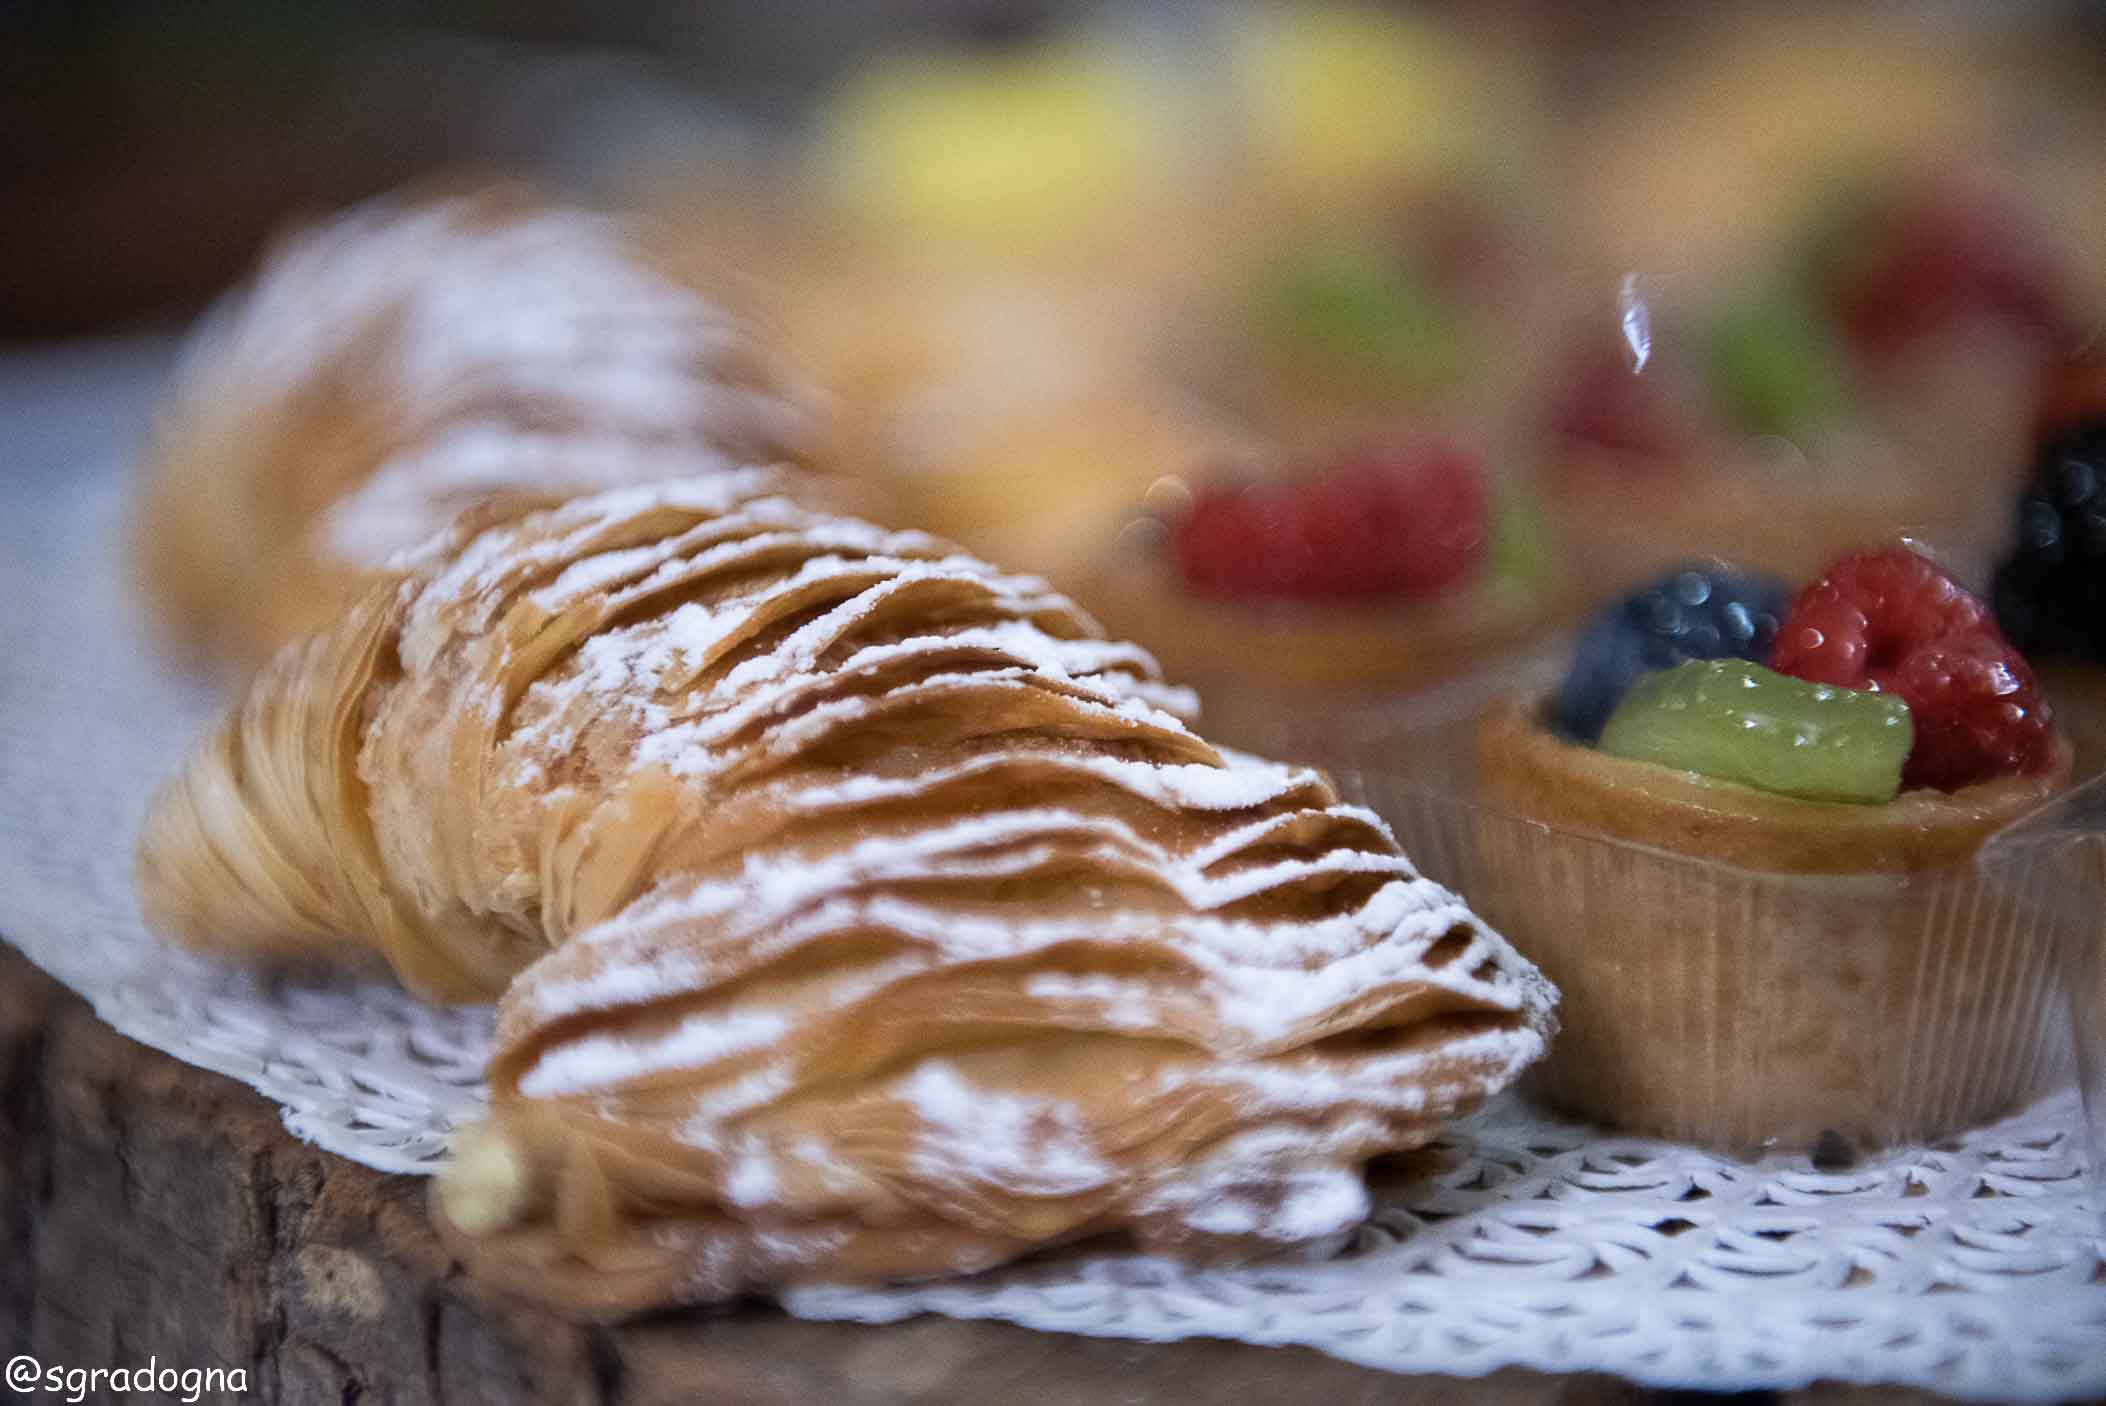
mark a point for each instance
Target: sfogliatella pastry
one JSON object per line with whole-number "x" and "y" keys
{"x": 1741, "y": 839}
{"x": 899, "y": 923}
{"x": 408, "y": 360}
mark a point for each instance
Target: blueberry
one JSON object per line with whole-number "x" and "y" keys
{"x": 2050, "y": 593}
{"x": 1697, "y": 611}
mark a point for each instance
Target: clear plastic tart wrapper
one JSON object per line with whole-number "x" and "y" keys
{"x": 1748, "y": 970}
{"x": 866, "y": 913}
{"x": 2060, "y": 851}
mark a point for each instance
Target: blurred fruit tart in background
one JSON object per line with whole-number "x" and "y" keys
{"x": 1870, "y": 383}
{"x": 1393, "y": 566}
{"x": 1331, "y": 329}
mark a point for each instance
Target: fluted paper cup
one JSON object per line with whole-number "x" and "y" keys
{"x": 1751, "y": 1011}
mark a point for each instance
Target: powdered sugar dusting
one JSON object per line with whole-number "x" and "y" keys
{"x": 598, "y": 1060}
{"x": 1035, "y": 1146}
{"x": 1126, "y": 1004}
{"x": 1273, "y": 1183}
{"x": 989, "y": 928}
{"x": 500, "y": 346}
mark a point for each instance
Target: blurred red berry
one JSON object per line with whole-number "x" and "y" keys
{"x": 1401, "y": 520}
{"x": 1946, "y": 254}
{"x": 1609, "y": 407}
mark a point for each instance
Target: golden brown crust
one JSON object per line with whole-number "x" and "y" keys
{"x": 884, "y": 918}
{"x": 1529, "y": 771}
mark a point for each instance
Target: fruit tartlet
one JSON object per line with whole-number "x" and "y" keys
{"x": 1693, "y": 154}
{"x": 1740, "y": 838}
{"x": 2062, "y": 848}
{"x": 1425, "y": 305}
{"x": 1294, "y": 594}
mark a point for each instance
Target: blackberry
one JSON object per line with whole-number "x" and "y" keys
{"x": 2050, "y": 593}
{"x": 1698, "y": 611}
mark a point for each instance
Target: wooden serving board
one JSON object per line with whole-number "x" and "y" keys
{"x": 149, "y": 1208}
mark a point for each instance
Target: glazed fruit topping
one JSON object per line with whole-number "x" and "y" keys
{"x": 1522, "y": 558}
{"x": 1699, "y": 611}
{"x": 1610, "y": 406}
{"x": 1740, "y": 722}
{"x": 2050, "y": 594}
{"x": 1361, "y": 313}
{"x": 1893, "y": 621}
{"x": 1403, "y": 520}
{"x": 1944, "y": 252}
{"x": 1775, "y": 366}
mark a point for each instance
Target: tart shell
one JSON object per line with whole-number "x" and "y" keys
{"x": 1750, "y": 971}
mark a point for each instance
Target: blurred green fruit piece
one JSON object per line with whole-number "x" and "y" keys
{"x": 1361, "y": 314}
{"x": 1776, "y": 366}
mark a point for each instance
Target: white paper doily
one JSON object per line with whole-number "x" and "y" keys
{"x": 1976, "y": 1268}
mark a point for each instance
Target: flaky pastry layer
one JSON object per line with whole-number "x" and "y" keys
{"x": 883, "y": 918}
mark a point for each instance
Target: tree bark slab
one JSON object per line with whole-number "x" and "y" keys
{"x": 151, "y": 1209}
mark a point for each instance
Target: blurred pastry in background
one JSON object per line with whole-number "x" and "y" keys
{"x": 971, "y": 244}
{"x": 963, "y": 246}
{"x": 1336, "y": 327}
{"x": 1856, "y": 282}
{"x": 1876, "y": 375}
{"x": 1051, "y": 148}
{"x": 1387, "y": 176}
{"x": 1337, "y": 107}
{"x": 933, "y": 379}
{"x": 1708, "y": 149}
{"x": 412, "y": 359}
{"x": 1283, "y": 589}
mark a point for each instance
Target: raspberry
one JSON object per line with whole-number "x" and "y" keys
{"x": 1401, "y": 520}
{"x": 1978, "y": 712}
{"x": 1890, "y": 620}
